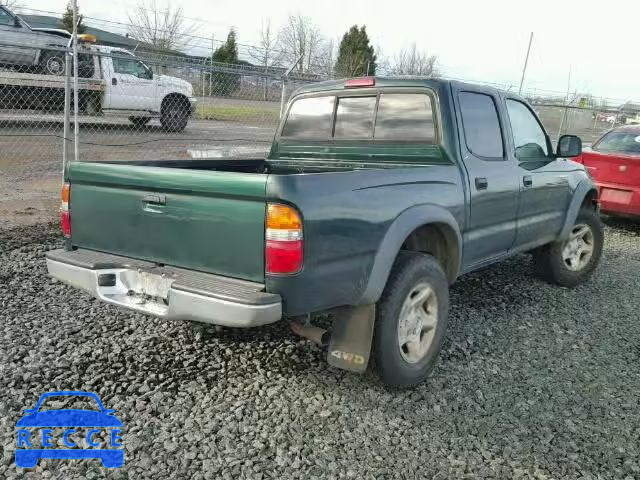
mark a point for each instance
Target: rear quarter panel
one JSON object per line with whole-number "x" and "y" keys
{"x": 346, "y": 216}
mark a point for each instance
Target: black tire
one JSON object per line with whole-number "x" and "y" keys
{"x": 91, "y": 105}
{"x": 410, "y": 270}
{"x": 139, "y": 121}
{"x": 174, "y": 116}
{"x": 52, "y": 62}
{"x": 550, "y": 264}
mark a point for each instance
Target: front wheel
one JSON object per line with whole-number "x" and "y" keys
{"x": 174, "y": 117}
{"x": 571, "y": 261}
{"x": 411, "y": 320}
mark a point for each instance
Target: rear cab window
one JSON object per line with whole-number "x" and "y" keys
{"x": 377, "y": 116}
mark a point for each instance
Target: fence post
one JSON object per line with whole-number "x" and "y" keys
{"x": 67, "y": 108}
{"x": 211, "y": 71}
{"x": 75, "y": 82}
{"x": 204, "y": 74}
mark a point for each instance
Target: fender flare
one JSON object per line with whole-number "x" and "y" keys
{"x": 584, "y": 188}
{"x": 405, "y": 223}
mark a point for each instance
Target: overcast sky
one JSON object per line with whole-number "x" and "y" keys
{"x": 475, "y": 40}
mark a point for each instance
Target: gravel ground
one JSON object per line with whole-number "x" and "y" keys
{"x": 534, "y": 381}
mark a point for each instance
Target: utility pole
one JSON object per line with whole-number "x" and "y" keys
{"x": 211, "y": 71}
{"x": 566, "y": 106}
{"x": 526, "y": 61}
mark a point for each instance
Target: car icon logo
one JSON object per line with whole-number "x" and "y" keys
{"x": 73, "y": 421}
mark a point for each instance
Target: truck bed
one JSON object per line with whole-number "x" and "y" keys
{"x": 256, "y": 165}
{"x": 10, "y": 78}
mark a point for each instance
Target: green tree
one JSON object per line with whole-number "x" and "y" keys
{"x": 67, "y": 20}
{"x": 225, "y": 83}
{"x": 356, "y": 56}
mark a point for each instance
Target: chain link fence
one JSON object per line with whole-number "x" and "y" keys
{"x": 142, "y": 106}
{"x": 146, "y": 105}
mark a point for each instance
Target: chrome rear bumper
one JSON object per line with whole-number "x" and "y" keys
{"x": 166, "y": 292}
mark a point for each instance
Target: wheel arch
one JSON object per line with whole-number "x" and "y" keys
{"x": 423, "y": 228}
{"x": 585, "y": 196}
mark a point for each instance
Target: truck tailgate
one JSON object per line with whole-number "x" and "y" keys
{"x": 203, "y": 220}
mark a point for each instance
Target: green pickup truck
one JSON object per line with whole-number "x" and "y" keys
{"x": 376, "y": 195}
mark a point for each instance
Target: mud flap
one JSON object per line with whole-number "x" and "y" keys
{"x": 351, "y": 337}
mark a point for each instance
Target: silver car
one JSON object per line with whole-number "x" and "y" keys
{"x": 28, "y": 48}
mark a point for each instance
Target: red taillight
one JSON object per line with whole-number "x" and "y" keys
{"x": 284, "y": 257}
{"x": 284, "y": 249}
{"x": 360, "y": 82}
{"x": 65, "y": 217}
{"x": 65, "y": 220}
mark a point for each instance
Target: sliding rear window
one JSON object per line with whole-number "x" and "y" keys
{"x": 385, "y": 117}
{"x": 354, "y": 117}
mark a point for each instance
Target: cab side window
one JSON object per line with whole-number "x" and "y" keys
{"x": 129, "y": 66}
{"x": 528, "y": 136}
{"x": 5, "y": 18}
{"x": 481, "y": 125}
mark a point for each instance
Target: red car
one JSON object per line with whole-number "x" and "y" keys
{"x": 614, "y": 164}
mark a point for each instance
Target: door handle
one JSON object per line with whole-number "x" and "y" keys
{"x": 114, "y": 81}
{"x": 481, "y": 183}
{"x": 155, "y": 199}
{"x": 527, "y": 180}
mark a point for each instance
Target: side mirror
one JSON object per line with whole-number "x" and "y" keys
{"x": 29, "y": 411}
{"x": 16, "y": 22}
{"x": 569, "y": 146}
{"x": 149, "y": 74}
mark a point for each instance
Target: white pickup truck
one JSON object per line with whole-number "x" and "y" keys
{"x": 111, "y": 81}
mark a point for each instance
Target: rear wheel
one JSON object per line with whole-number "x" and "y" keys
{"x": 411, "y": 320}
{"x": 571, "y": 262}
{"x": 52, "y": 62}
{"x": 174, "y": 116}
{"x": 91, "y": 105}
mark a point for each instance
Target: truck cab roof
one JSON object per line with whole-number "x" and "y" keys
{"x": 108, "y": 49}
{"x": 394, "y": 82}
